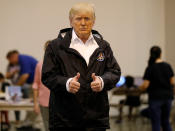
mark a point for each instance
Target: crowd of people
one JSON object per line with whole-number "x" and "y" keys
{"x": 70, "y": 85}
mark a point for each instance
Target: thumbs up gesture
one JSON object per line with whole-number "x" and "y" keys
{"x": 96, "y": 84}
{"x": 74, "y": 85}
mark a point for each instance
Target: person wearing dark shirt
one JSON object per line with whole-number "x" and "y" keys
{"x": 159, "y": 82}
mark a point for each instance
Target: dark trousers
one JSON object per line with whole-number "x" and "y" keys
{"x": 76, "y": 129}
{"x": 160, "y": 114}
{"x": 17, "y": 115}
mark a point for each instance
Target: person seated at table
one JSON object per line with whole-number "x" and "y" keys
{"x": 131, "y": 100}
{"x": 3, "y": 86}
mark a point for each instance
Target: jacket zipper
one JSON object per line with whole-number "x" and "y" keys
{"x": 71, "y": 50}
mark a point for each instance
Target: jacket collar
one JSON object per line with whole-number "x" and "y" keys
{"x": 75, "y": 37}
{"x": 66, "y": 35}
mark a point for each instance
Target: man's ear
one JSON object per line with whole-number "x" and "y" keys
{"x": 93, "y": 22}
{"x": 70, "y": 20}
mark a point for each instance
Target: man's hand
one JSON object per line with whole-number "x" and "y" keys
{"x": 96, "y": 85}
{"x": 12, "y": 73}
{"x": 74, "y": 85}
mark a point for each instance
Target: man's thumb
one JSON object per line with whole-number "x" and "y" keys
{"x": 93, "y": 76}
{"x": 77, "y": 76}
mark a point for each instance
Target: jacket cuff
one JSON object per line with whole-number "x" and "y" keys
{"x": 67, "y": 84}
{"x": 102, "y": 82}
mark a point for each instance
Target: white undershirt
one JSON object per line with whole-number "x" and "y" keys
{"x": 85, "y": 49}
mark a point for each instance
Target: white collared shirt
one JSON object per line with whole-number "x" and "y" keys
{"x": 85, "y": 49}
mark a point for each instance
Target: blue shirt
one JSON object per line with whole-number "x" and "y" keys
{"x": 27, "y": 66}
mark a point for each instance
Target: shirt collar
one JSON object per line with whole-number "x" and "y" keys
{"x": 75, "y": 37}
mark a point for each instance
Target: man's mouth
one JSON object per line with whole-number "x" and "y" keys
{"x": 83, "y": 29}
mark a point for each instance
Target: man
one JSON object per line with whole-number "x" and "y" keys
{"x": 12, "y": 74}
{"x": 79, "y": 68}
{"x": 27, "y": 66}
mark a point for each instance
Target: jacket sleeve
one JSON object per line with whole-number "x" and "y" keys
{"x": 112, "y": 70}
{"x": 51, "y": 72}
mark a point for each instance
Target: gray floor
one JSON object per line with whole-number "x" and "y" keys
{"x": 136, "y": 124}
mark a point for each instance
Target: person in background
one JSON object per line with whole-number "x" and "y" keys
{"x": 12, "y": 74}
{"x": 159, "y": 83}
{"x": 3, "y": 86}
{"x": 41, "y": 94}
{"x": 27, "y": 66}
{"x": 79, "y": 68}
{"x": 131, "y": 101}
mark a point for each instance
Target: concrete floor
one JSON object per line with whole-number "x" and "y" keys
{"x": 137, "y": 124}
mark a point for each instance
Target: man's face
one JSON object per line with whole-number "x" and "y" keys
{"x": 13, "y": 59}
{"x": 82, "y": 22}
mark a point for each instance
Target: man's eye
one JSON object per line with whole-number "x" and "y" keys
{"x": 87, "y": 19}
{"x": 78, "y": 19}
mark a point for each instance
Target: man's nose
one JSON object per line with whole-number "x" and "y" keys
{"x": 83, "y": 22}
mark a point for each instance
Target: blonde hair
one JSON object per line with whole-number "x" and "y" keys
{"x": 82, "y": 6}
